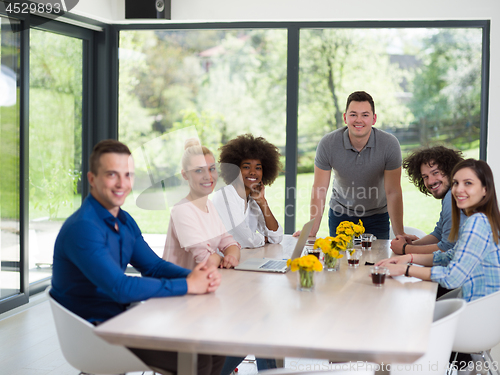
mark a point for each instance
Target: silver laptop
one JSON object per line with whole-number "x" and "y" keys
{"x": 277, "y": 265}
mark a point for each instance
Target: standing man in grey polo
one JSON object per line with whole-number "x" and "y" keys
{"x": 366, "y": 163}
{"x": 429, "y": 169}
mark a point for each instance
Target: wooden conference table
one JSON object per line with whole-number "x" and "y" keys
{"x": 345, "y": 318}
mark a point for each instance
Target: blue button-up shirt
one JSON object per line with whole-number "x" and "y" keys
{"x": 90, "y": 259}
{"x": 473, "y": 263}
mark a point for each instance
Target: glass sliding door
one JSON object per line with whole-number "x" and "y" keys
{"x": 55, "y": 142}
{"x": 10, "y": 249}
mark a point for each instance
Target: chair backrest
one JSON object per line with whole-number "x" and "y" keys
{"x": 479, "y": 325}
{"x": 86, "y": 351}
{"x": 408, "y": 230}
{"x": 435, "y": 361}
{"x": 454, "y": 293}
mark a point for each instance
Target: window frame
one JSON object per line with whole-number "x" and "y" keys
{"x": 86, "y": 37}
{"x": 89, "y": 126}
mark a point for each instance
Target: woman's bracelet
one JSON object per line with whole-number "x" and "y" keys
{"x": 411, "y": 261}
{"x": 407, "y": 269}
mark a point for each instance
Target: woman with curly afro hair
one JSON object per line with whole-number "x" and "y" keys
{"x": 248, "y": 164}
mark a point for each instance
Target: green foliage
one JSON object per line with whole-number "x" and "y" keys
{"x": 9, "y": 162}
{"x": 210, "y": 127}
{"x": 225, "y": 75}
{"x": 447, "y": 86}
{"x": 306, "y": 162}
{"x": 135, "y": 121}
{"x": 149, "y": 221}
{"x": 55, "y": 190}
{"x": 61, "y": 68}
{"x": 9, "y": 131}
{"x": 53, "y": 173}
{"x": 246, "y": 83}
{"x": 336, "y": 62}
{"x": 55, "y": 122}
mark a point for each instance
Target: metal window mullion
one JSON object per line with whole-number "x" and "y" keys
{"x": 291, "y": 148}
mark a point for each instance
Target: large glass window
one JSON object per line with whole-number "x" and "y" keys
{"x": 10, "y": 250}
{"x": 55, "y": 142}
{"x": 426, "y": 84}
{"x": 218, "y": 83}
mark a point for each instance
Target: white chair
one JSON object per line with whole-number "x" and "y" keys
{"x": 434, "y": 361}
{"x": 86, "y": 351}
{"x": 445, "y": 323}
{"x": 479, "y": 327}
{"x": 408, "y": 230}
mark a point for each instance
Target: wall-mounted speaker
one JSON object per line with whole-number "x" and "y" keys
{"x": 148, "y": 9}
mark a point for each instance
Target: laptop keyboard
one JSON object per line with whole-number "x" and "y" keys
{"x": 273, "y": 265}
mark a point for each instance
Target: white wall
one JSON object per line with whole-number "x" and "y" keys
{"x": 103, "y": 10}
{"x": 335, "y": 10}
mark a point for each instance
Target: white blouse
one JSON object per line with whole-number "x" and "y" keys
{"x": 247, "y": 226}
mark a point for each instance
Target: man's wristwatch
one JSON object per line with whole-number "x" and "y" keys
{"x": 404, "y": 248}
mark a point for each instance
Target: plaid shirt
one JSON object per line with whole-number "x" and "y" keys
{"x": 473, "y": 263}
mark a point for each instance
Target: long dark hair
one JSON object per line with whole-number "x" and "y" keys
{"x": 488, "y": 205}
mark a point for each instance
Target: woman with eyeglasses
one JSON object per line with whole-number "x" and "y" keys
{"x": 195, "y": 232}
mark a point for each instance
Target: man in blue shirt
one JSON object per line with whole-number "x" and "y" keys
{"x": 99, "y": 240}
{"x": 430, "y": 171}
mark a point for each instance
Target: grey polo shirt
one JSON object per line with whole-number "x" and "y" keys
{"x": 358, "y": 177}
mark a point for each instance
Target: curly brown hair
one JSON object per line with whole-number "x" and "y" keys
{"x": 247, "y": 146}
{"x": 445, "y": 159}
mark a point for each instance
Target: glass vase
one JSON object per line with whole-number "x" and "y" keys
{"x": 306, "y": 280}
{"x": 331, "y": 263}
{"x": 350, "y": 244}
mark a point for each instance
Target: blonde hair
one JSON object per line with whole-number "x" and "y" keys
{"x": 193, "y": 147}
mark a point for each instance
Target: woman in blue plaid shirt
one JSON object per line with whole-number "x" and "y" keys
{"x": 474, "y": 262}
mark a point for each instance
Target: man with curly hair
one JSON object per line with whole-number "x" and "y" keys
{"x": 429, "y": 169}
{"x": 248, "y": 164}
{"x": 366, "y": 163}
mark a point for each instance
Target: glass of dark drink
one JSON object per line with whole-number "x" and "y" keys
{"x": 315, "y": 252}
{"x": 378, "y": 275}
{"x": 353, "y": 256}
{"x": 353, "y": 262}
{"x": 366, "y": 241}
